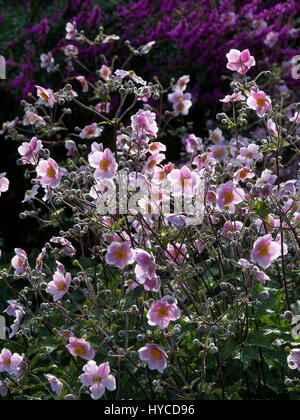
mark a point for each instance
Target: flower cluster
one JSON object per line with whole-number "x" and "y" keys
{"x": 156, "y": 279}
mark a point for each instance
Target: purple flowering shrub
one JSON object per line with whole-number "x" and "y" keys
{"x": 157, "y": 280}
{"x": 197, "y": 34}
{"x": 190, "y": 34}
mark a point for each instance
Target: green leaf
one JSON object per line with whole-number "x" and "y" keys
{"x": 268, "y": 148}
{"x": 260, "y": 339}
{"x": 261, "y": 208}
{"x": 247, "y": 355}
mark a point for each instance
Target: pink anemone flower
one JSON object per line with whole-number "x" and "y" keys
{"x": 4, "y": 183}
{"x": 248, "y": 155}
{"x": 293, "y": 359}
{"x": 265, "y": 251}
{"x": 105, "y": 164}
{"x": 230, "y": 196}
{"x": 296, "y": 117}
{"x": 259, "y": 102}
{"x": 121, "y": 74}
{"x": 257, "y": 273}
{"x": 46, "y": 96}
{"x": 71, "y": 29}
{"x": 157, "y": 147}
{"x": 84, "y": 84}
{"x": 182, "y": 107}
{"x": 91, "y": 131}
{"x": 145, "y": 264}
{"x": 193, "y": 144}
{"x": 230, "y": 228}
{"x": 162, "y": 312}
{"x": 182, "y": 82}
{"x": 67, "y": 249}
{"x": 219, "y": 152}
{"x": 144, "y": 122}
{"x": 30, "y": 151}
{"x": 146, "y": 48}
{"x": 80, "y": 347}
{"x": 272, "y": 127}
{"x": 19, "y": 261}
{"x": 120, "y": 254}
{"x": 178, "y": 96}
{"x": 152, "y": 162}
{"x": 183, "y": 181}
{"x": 47, "y": 61}
{"x": 235, "y": 97}
{"x": 59, "y": 286}
{"x": 216, "y": 136}
{"x": 9, "y": 362}
{"x": 56, "y": 384}
{"x": 271, "y": 39}
{"x": 49, "y": 173}
{"x": 105, "y": 72}
{"x": 243, "y": 174}
{"x": 151, "y": 283}
{"x": 97, "y": 378}
{"x": 110, "y": 38}
{"x": 177, "y": 253}
{"x": 155, "y": 356}
{"x": 240, "y": 61}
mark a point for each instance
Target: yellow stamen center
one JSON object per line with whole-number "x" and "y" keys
{"x": 243, "y": 173}
{"x": 163, "y": 312}
{"x": 51, "y": 172}
{"x": 61, "y": 286}
{"x": 180, "y": 107}
{"x": 104, "y": 164}
{"x": 44, "y": 96}
{"x": 260, "y": 102}
{"x": 229, "y": 197}
{"x": 156, "y": 354}
{"x": 152, "y": 164}
{"x": 79, "y": 351}
{"x": 264, "y": 250}
{"x": 120, "y": 254}
{"x": 219, "y": 153}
